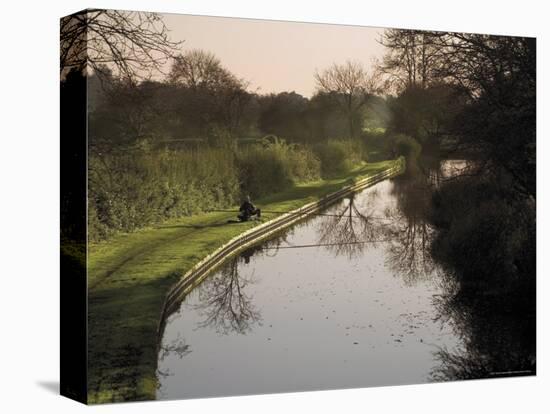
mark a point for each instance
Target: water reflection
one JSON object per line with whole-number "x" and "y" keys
{"x": 177, "y": 347}
{"x": 223, "y": 301}
{"x": 403, "y": 226}
{"x": 409, "y": 234}
{"x": 498, "y": 338}
{"x": 350, "y": 228}
{"x": 497, "y": 329}
{"x": 494, "y": 314}
{"x": 376, "y": 310}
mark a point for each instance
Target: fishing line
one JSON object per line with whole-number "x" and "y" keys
{"x": 300, "y": 246}
{"x": 301, "y": 214}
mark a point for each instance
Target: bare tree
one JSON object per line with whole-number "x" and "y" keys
{"x": 133, "y": 44}
{"x": 350, "y": 85}
{"x": 409, "y": 59}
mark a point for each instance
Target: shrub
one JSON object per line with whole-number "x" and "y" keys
{"x": 304, "y": 164}
{"x": 339, "y": 156}
{"x": 401, "y": 145}
{"x": 262, "y": 170}
{"x": 129, "y": 191}
{"x": 274, "y": 166}
{"x": 406, "y": 146}
{"x": 376, "y": 141}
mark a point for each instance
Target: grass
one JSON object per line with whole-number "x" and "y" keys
{"x": 130, "y": 274}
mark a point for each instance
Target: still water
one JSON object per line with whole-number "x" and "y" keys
{"x": 345, "y": 299}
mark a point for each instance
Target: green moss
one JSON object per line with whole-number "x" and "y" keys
{"x": 130, "y": 274}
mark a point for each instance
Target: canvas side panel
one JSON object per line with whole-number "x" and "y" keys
{"x": 73, "y": 129}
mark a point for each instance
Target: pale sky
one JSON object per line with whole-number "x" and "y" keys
{"x": 276, "y": 56}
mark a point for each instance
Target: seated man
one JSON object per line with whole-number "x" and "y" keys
{"x": 248, "y": 210}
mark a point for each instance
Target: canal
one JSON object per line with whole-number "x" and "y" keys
{"x": 349, "y": 298}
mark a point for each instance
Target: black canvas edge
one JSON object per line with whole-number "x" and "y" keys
{"x": 73, "y": 219}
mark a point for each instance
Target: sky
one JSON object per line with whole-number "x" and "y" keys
{"x": 276, "y": 56}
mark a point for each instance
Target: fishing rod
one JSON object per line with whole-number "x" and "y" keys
{"x": 295, "y": 212}
{"x": 280, "y": 212}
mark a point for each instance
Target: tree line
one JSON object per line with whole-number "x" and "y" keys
{"x": 202, "y": 101}
{"x": 433, "y": 92}
{"x": 485, "y": 216}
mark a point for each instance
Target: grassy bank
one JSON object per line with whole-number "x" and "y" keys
{"x": 130, "y": 274}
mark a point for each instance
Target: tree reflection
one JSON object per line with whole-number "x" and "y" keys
{"x": 408, "y": 232}
{"x": 403, "y": 227}
{"x": 177, "y": 347}
{"x": 498, "y": 333}
{"x": 493, "y": 313}
{"x": 487, "y": 251}
{"x": 223, "y": 301}
{"x": 347, "y": 231}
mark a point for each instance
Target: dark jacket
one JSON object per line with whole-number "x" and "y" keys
{"x": 247, "y": 208}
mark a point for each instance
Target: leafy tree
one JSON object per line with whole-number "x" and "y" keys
{"x": 425, "y": 113}
{"x": 283, "y": 115}
{"x": 210, "y": 91}
{"x": 497, "y": 75}
{"x": 126, "y": 114}
{"x": 325, "y": 119}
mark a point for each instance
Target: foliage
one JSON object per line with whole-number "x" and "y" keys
{"x": 404, "y": 145}
{"x": 283, "y": 115}
{"x": 425, "y": 114}
{"x": 129, "y": 191}
{"x": 304, "y": 164}
{"x": 201, "y": 100}
{"x": 274, "y": 166}
{"x": 324, "y": 119}
{"x": 339, "y": 156}
{"x": 376, "y": 141}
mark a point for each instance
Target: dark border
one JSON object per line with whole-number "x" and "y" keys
{"x": 73, "y": 249}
